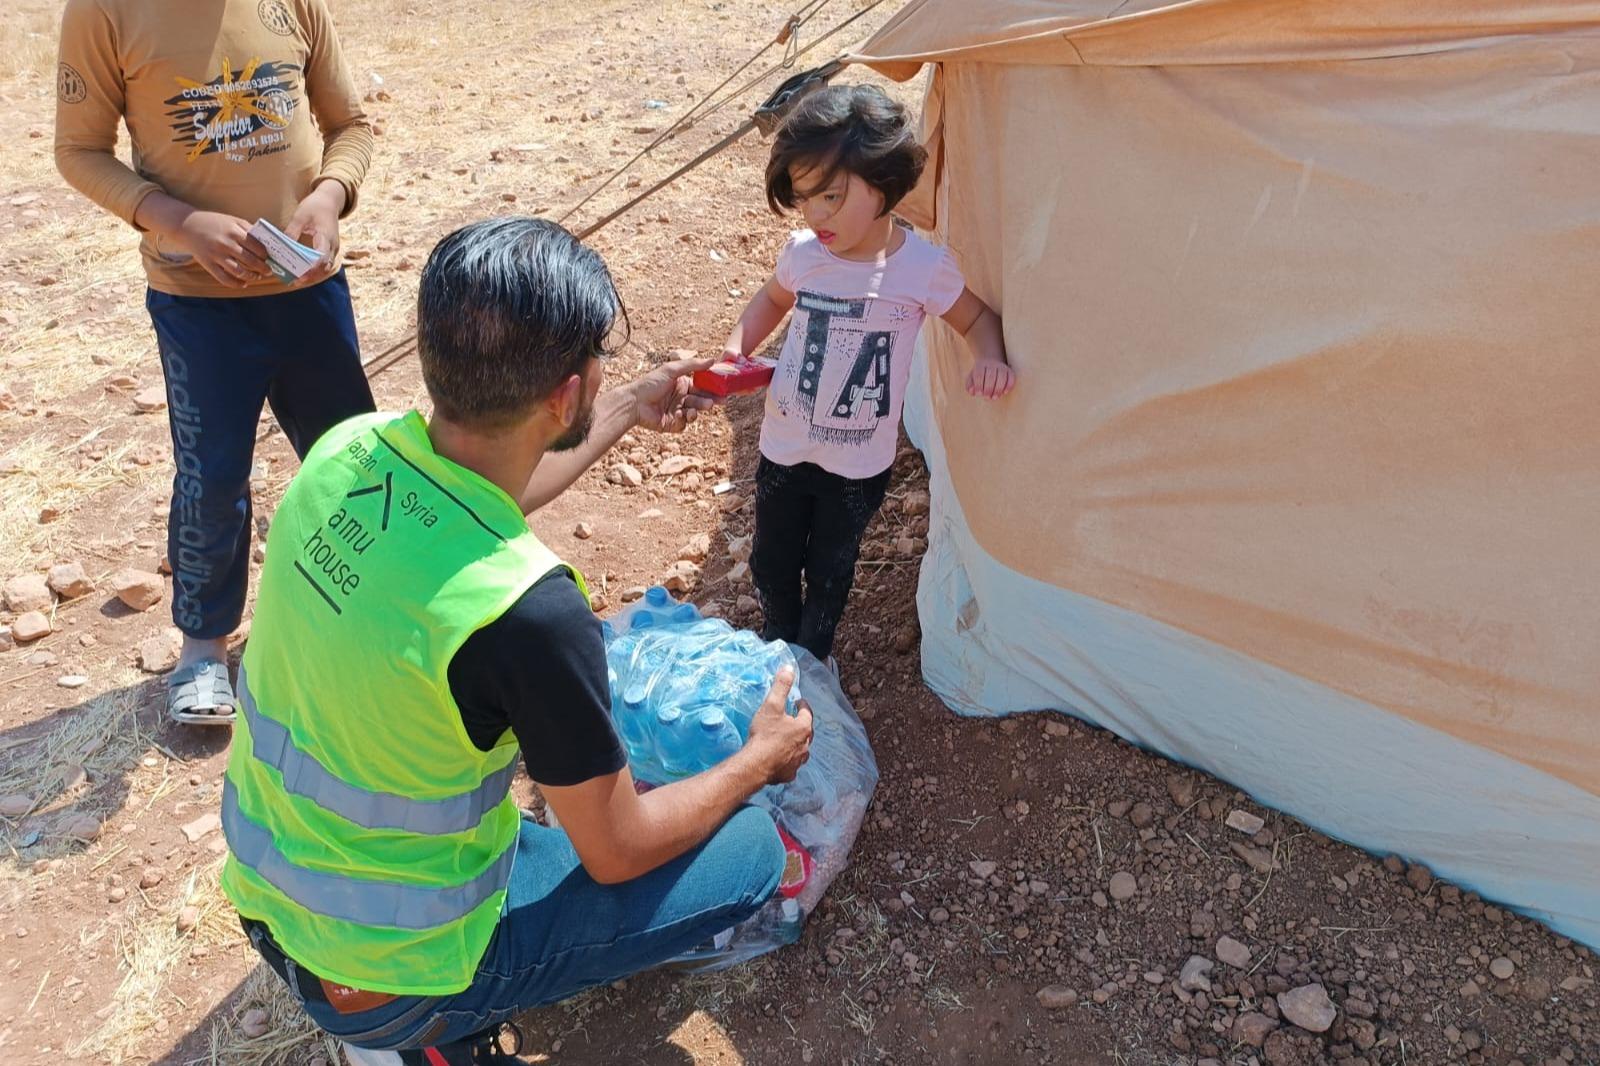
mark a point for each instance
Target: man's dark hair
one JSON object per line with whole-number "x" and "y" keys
{"x": 855, "y": 128}
{"x": 507, "y": 310}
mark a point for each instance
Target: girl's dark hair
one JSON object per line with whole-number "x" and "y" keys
{"x": 855, "y": 128}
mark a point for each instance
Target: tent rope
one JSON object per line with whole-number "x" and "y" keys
{"x": 788, "y": 37}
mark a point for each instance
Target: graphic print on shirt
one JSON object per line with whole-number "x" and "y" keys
{"x": 841, "y": 379}
{"x": 240, "y": 119}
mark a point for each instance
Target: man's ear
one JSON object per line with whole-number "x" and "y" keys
{"x": 566, "y": 401}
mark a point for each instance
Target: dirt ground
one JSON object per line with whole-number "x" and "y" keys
{"x": 1024, "y": 891}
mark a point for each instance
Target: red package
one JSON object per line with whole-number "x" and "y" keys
{"x": 731, "y": 377}
{"x": 797, "y": 866}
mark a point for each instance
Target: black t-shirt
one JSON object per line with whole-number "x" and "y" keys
{"x": 540, "y": 671}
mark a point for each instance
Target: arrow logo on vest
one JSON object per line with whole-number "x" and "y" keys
{"x": 387, "y": 488}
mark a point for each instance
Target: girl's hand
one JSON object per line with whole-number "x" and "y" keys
{"x": 991, "y": 379}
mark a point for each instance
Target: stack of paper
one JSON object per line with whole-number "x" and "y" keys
{"x": 288, "y": 258}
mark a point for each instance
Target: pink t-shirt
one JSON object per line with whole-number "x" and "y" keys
{"x": 841, "y": 379}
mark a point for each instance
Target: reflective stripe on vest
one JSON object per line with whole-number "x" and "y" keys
{"x": 303, "y": 775}
{"x": 349, "y": 899}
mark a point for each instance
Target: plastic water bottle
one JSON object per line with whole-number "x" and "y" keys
{"x": 718, "y": 738}
{"x": 683, "y": 614}
{"x": 657, "y": 597}
{"x": 674, "y": 742}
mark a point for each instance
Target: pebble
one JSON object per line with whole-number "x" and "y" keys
{"x": 905, "y": 639}
{"x": 202, "y": 826}
{"x": 1257, "y": 859}
{"x": 254, "y": 1023}
{"x": 69, "y": 581}
{"x": 117, "y": 894}
{"x": 676, "y": 464}
{"x": 150, "y": 878}
{"x": 83, "y": 827}
{"x": 1502, "y": 968}
{"x": 138, "y": 589}
{"x": 1181, "y": 788}
{"x": 739, "y": 548}
{"x": 15, "y": 806}
{"x": 1308, "y": 1007}
{"x": 982, "y": 868}
{"x": 151, "y": 399}
{"x": 1419, "y": 877}
{"x": 1193, "y": 977}
{"x": 1245, "y": 822}
{"x": 915, "y": 502}
{"x": 746, "y": 604}
{"x": 938, "y": 916}
{"x": 1142, "y": 816}
{"x": 635, "y": 593}
{"x": 72, "y": 681}
{"x": 30, "y": 627}
{"x": 627, "y": 474}
{"x": 188, "y": 918}
{"x": 1056, "y": 997}
{"x": 739, "y": 573}
{"x": 698, "y": 548}
{"x": 159, "y": 653}
{"x": 681, "y": 577}
{"x": 598, "y": 602}
{"x": 28, "y": 592}
{"x": 1123, "y": 885}
{"x": 1253, "y": 1028}
{"x": 583, "y": 531}
{"x": 1233, "y": 953}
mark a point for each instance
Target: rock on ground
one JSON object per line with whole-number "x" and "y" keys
{"x": 29, "y": 627}
{"x": 138, "y": 589}
{"x": 1245, "y": 822}
{"x": 1193, "y": 977}
{"x": 1252, "y": 1028}
{"x": 1308, "y": 1007}
{"x": 69, "y": 581}
{"x": 1056, "y": 997}
{"x": 1123, "y": 885}
{"x": 159, "y": 653}
{"x": 1233, "y": 953}
{"x": 28, "y": 592}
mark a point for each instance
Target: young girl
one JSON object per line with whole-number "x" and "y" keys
{"x": 860, "y": 286}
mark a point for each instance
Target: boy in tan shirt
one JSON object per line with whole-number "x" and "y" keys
{"x": 219, "y": 98}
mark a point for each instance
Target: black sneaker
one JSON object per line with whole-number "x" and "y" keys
{"x": 481, "y": 1049}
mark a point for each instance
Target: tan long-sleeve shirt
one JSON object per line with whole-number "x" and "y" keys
{"x": 219, "y": 97}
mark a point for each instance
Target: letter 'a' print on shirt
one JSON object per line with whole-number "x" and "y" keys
{"x": 843, "y": 381}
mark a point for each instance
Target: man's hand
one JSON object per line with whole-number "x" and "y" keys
{"x": 777, "y": 743}
{"x": 665, "y": 399}
{"x": 316, "y": 223}
{"x": 223, "y": 246}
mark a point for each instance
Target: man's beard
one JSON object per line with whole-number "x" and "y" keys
{"x": 577, "y": 433}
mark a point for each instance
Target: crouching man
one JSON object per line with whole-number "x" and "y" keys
{"x": 412, "y": 635}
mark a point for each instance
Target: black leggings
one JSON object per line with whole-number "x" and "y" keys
{"x": 809, "y": 522}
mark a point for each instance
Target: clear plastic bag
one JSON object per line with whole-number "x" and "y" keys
{"x": 683, "y": 691}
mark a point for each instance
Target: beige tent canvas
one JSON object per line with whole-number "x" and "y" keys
{"x": 1301, "y": 482}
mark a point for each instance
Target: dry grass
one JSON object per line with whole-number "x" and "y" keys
{"x": 104, "y": 738}
{"x": 151, "y": 950}
{"x": 28, "y": 45}
{"x": 290, "y": 1035}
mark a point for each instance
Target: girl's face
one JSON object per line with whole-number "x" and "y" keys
{"x": 843, "y": 211}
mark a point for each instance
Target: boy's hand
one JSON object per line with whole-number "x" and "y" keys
{"x": 316, "y": 224}
{"x": 223, "y": 246}
{"x": 991, "y": 379}
{"x": 779, "y": 744}
{"x": 665, "y": 399}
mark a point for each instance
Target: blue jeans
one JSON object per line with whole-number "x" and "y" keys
{"x": 222, "y": 357}
{"x": 561, "y": 932}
